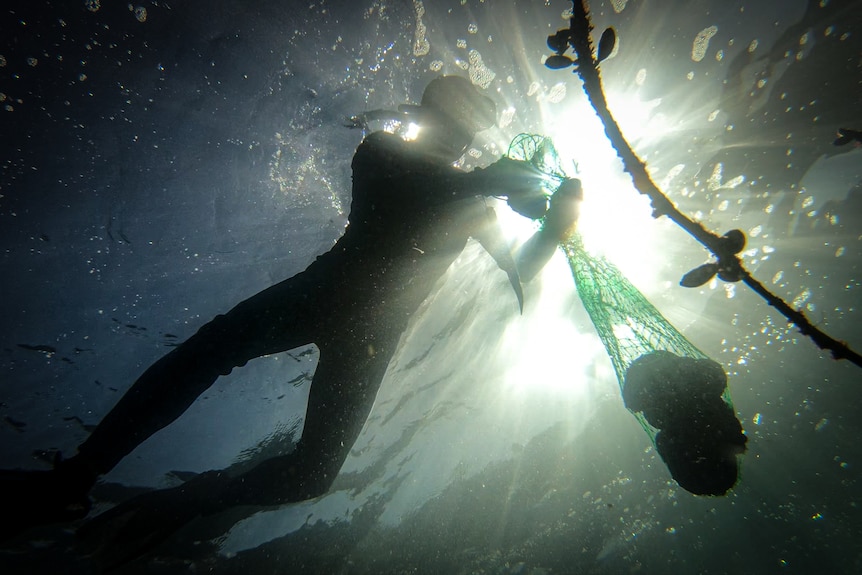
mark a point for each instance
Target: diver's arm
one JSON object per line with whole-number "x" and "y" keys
{"x": 374, "y": 116}
{"x": 557, "y": 226}
{"x": 408, "y": 175}
{"x": 517, "y": 181}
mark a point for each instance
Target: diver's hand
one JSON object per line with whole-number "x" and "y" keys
{"x": 356, "y": 122}
{"x": 564, "y": 210}
{"x": 531, "y": 203}
{"x": 514, "y": 175}
{"x": 558, "y": 226}
{"x": 520, "y": 183}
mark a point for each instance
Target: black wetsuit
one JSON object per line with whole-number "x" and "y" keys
{"x": 409, "y": 219}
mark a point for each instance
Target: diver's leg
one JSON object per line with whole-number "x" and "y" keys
{"x": 277, "y": 319}
{"x": 342, "y": 394}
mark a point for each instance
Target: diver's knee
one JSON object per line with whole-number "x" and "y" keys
{"x": 283, "y": 479}
{"x": 316, "y": 486}
{"x": 218, "y": 342}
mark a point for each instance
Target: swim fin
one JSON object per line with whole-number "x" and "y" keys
{"x": 137, "y": 526}
{"x": 31, "y": 498}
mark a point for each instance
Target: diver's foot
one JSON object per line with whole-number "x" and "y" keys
{"x": 30, "y": 498}
{"x": 138, "y": 525}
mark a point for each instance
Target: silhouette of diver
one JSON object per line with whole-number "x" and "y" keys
{"x": 411, "y": 215}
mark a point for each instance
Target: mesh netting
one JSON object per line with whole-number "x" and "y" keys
{"x": 627, "y": 323}
{"x": 675, "y": 391}
{"x": 539, "y": 151}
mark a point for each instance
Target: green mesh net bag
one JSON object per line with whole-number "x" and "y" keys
{"x": 677, "y": 393}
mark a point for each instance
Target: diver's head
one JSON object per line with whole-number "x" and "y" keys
{"x": 452, "y": 112}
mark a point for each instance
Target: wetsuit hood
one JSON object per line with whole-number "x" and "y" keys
{"x": 460, "y": 103}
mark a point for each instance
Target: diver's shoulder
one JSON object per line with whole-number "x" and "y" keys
{"x": 378, "y": 145}
{"x": 382, "y": 139}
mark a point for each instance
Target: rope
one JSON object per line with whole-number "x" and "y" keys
{"x": 729, "y": 266}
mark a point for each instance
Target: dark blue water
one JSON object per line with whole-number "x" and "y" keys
{"x": 161, "y": 163}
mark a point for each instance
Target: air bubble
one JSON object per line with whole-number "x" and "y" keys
{"x": 619, "y": 5}
{"x": 801, "y": 298}
{"x": 734, "y": 182}
{"x": 557, "y": 93}
{"x": 701, "y": 43}
{"x": 730, "y": 290}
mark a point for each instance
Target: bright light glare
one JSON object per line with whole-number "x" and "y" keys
{"x": 550, "y": 351}
{"x": 546, "y": 351}
{"x": 615, "y": 220}
{"x": 411, "y": 132}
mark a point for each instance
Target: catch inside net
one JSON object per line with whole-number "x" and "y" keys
{"x": 677, "y": 393}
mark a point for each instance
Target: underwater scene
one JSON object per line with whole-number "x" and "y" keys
{"x": 501, "y": 287}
